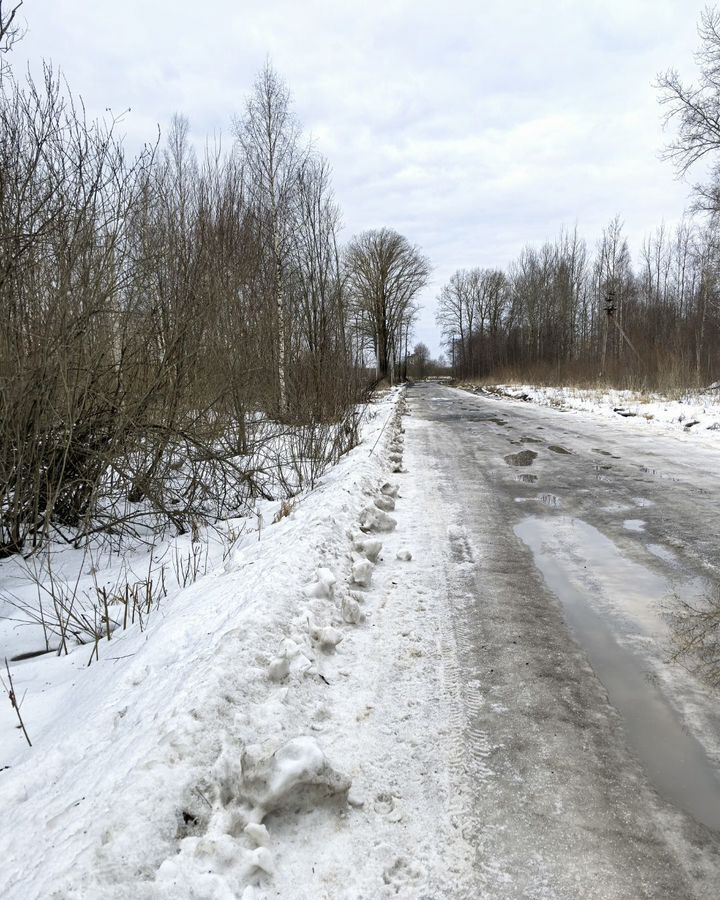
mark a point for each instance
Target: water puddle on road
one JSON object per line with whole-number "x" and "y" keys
{"x": 523, "y": 458}
{"x": 663, "y": 553}
{"x": 581, "y": 566}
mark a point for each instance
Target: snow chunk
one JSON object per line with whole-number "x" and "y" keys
{"x": 369, "y": 547}
{"x": 324, "y": 586}
{"x": 290, "y": 659}
{"x": 262, "y": 859}
{"x": 326, "y": 636}
{"x": 299, "y": 766}
{"x": 351, "y": 610}
{"x": 405, "y": 555}
{"x": 386, "y": 504}
{"x": 362, "y": 572}
{"x": 258, "y": 833}
{"x": 279, "y": 669}
{"x": 390, "y": 490}
{"x": 374, "y": 519}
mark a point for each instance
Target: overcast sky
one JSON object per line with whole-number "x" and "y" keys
{"x": 471, "y": 126}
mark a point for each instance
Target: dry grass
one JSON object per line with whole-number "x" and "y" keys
{"x": 672, "y": 383}
{"x": 286, "y": 507}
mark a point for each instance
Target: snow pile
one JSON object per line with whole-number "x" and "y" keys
{"x": 200, "y": 754}
{"x": 231, "y": 849}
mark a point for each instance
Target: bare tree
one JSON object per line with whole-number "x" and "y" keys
{"x": 420, "y": 360}
{"x": 457, "y": 308}
{"x": 614, "y": 284}
{"x": 10, "y": 31}
{"x": 470, "y": 311}
{"x": 270, "y": 140}
{"x": 385, "y": 274}
{"x": 322, "y": 368}
{"x": 695, "y": 111}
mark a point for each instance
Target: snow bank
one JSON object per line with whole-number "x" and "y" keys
{"x": 171, "y": 765}
{"x": 696, "y": 413}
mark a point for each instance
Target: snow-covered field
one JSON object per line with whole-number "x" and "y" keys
{"x": 695, "y": 413}
{"x": 242, "y": 739}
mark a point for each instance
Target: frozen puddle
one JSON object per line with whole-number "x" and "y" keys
{"x": 606, "y": 597}
{"x": 634, "y": 524}
{"x": 663, "y": 553}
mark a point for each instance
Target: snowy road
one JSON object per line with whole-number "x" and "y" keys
{"x": 587, "y": 766}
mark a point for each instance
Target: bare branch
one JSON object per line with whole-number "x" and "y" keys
{"x": 9, "y": 688}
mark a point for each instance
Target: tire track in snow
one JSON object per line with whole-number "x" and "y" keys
{"x": 453, "y": 565}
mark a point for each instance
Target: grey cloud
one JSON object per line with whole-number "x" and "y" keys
{"x": 474, "y": 127}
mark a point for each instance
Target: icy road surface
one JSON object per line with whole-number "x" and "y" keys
{"x": 590, "y": 765}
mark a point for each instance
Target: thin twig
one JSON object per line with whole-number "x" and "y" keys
{"x": 10, "y": 689}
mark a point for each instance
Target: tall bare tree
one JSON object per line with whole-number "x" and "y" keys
{"x": 270, "y": 140}
{"x": 385, "y": 274}
{"x": 470, "y": 310}
{"x": 456, "y": 316}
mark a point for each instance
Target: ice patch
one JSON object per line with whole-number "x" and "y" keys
{"x": 663, "y": 553}
{"x": 634, "y": 525}
{"x": 642, "y": 502}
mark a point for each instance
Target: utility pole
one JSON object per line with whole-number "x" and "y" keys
{"x": 406, "y": 353}
{"x": 610, "y": 309}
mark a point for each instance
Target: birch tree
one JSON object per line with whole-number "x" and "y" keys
{"x": 270, "y": 140}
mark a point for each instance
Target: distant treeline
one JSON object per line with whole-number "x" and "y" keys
{"x": 562, "y": 311}
{"x": 566, "y": 312}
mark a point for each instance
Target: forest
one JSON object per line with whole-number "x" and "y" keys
{"x": 181, "y": 329}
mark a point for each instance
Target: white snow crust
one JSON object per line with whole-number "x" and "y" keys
{"x": 695, "y": 413}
